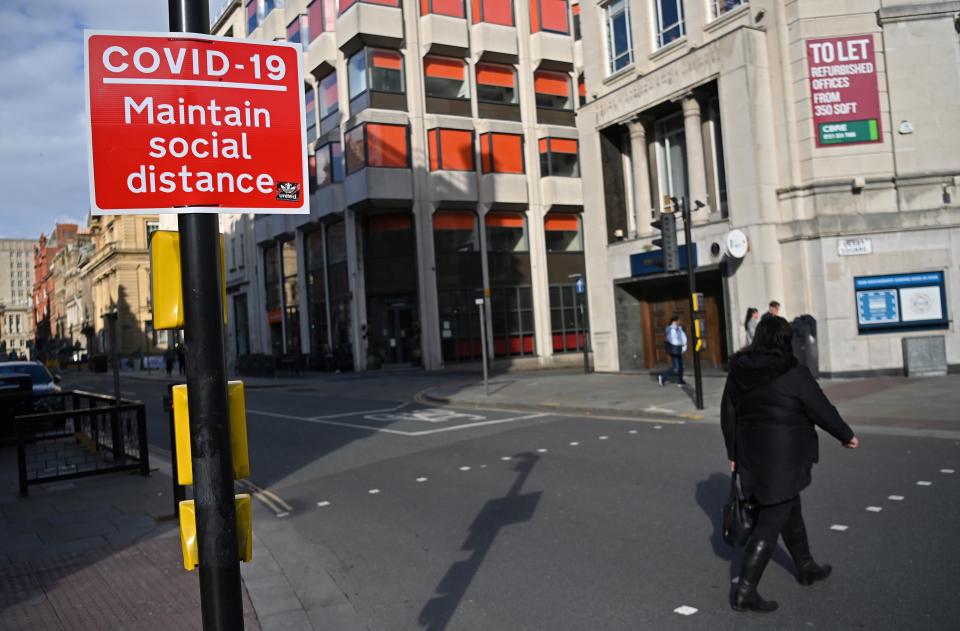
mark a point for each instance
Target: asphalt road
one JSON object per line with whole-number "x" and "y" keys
{"x": 447, "y": 519}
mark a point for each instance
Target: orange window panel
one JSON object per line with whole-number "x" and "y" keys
{"x": 502, "y": 153}
{"x": 493, "y": 12}
{"x": 504, "y": 220}
{"x": 558, "y": 145}
{"x": 453, "y": 8}
{"x": 561, "y": 223}
{"x": 582, "y": 87}
{"x": 385, "y": 59}
{"x": 393, "y": 222}
{"x": 553, "y": 16}
{"x": 454, "y": 220}
{"x": 451, "y": 149}
{"x": 387, "y": 145}
{"x": 575, "y": 9}
{"x": 553, "y": 83}
{"x": 496, "y": 74}
{"x": 445, "y": 68}
{"x": 534, "y": 16}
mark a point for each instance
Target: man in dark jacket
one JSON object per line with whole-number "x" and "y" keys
{"x": 769, "y": 409}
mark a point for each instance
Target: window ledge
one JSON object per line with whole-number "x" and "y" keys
{"x": 626, "y": 71}
{"x": 663, "y": 51}
{"x": 726, "y": 18}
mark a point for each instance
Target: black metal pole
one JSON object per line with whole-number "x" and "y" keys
{"x": 692, "y": 289}
{"x": 221, "y": 603}
{"x": 586, "y": 334}
{"x": 112, "y": 319}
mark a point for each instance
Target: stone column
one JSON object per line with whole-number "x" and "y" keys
{"x": 693, "y": 134}
{"x": 641, "y": 175}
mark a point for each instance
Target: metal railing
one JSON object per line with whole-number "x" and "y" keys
{"x": 83, "y": 434}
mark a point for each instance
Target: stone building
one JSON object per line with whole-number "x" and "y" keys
{"x": 819, "y": 137}
{"x": 16, "y": 283}
{"x": 117, "y": 277}
{"x": 444, "y": 147}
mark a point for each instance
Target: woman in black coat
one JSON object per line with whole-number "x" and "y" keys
{"x": 770, "y": 407}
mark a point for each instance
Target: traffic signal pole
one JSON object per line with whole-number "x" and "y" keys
{"x": 220, "y": 589}
{"x": 692, "y": 289}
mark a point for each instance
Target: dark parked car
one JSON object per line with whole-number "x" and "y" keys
{"x": 44, "y": 383}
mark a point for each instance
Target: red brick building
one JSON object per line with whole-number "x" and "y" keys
{"x": 44, "y": 296}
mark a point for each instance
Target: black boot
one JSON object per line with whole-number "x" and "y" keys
{"x": 745, "y": 597}
{"x": 808, "y": 572}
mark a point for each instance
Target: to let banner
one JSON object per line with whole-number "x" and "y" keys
{"x": 181, "y": 122}
{"x": 843, "y": 90}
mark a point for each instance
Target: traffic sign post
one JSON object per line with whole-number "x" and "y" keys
{"x": 483, "y": 343}
{"x": 580, "y": 290}
{"x": 696, "y": 299}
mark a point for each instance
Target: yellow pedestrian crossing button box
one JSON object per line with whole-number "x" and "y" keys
{"x": 238, "y": 432}
{"x": 166, "y": 284}
{"x": 188, "y": 531}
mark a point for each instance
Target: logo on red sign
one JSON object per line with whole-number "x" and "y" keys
{"x": 184, "y": 123}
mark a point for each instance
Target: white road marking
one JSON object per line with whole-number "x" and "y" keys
{"x": 838, "y": 527}
{"x": 924, "y": 483}
{"x": 464, "y": 468}
{"x": 658, "y": 427}
{"x": 947, "y": 471}
{"x": 874, "y": 509}
{"x": 387, "y": 430}
{"x": 686, "y": 610}
{"x": 282, "y": 514}
{"x": 574, "y": 444}
{"x": 421, "y": 479}
{"x": 323, "y": 503}
{"x": 603, "y": 437}
{"x": 505, "y": 458}
{"x": 632, "y": 431}
{"x": 541, "y": 451}
{"x": 428, "y": 415}
{"x": 896, "y": 498}
{"x": 373, "y": 491}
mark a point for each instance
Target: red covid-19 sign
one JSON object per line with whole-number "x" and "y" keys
{"x": 181, "y": 122}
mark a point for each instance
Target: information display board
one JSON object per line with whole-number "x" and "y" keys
{"x": 191, "y": 123}
{"x": 843, "y": 90}
{"x": 901, "y": 301}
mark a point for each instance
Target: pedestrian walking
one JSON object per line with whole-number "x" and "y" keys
{"x": 750, "y": 323}
{"x": 181, "y": 359}
{"x": 769, "y": 411}
{"x": 168, "y": 356}
{"x": 773, "y": 309}
{"x": 676, "y": 346}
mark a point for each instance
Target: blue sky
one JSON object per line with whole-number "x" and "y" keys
{"x": 43, "y": 170}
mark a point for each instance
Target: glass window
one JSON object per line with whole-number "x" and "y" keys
{"x": 563, "y": 232}
{"x": 455, "y": 232}
{"x": 506, "y": 232}
{"x": 376, "y": 145}
{"x": 671, "y": 159}
{"x": 310, "y": 112}
{"x": 552, "y": 90}
{"x": 357, "y": 73}
{"x": 295, "y": 30}
{"x": 549, "y": 15}
{"x": 722, "y": 6}
{"x": 329, "y": 164}
{"x": 450, "y": 149}
{"x": 619, "y": 43}
{"x": 575, "y": 13}
{"x": 329, "y": 95}
{"x": 496, "y": 83}
{"x": 253, "y": 16}
{"x": 453, "y": 8}
{"x": 501, "y": 153}
{"x": 321, "y": 17}
{"x": 582, "y": 90}
{"x": 493, "y": 12}
{"x": 670, "y": 24}
{"x": 270, "y": 5}
{"x": 378, "y": 69}
{"x": 558, "y": 157}
{"x": 445, "y": 77}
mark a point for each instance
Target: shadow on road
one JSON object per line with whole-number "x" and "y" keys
{"x": 513, "y": 508}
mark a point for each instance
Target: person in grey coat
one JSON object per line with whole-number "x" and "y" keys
{"x": 770, "y": 408}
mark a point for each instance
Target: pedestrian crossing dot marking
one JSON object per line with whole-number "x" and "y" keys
{"x": 658, "y": 427}
{"x": 896, "y": 498}
{"x": 874, "y": 509}
{"x": 282, "y": 514}
{"x": 505, "y": 458}
{"x": 323, "y": 504}
{"x": 924, "y": 483}
{"x": 838, "y": 527}
{"x": 421, "y": 479}
{"x": 574, "y": 444}
{"x": 947, "y": 471}
{"x": 604, "y": 437}
{"x": 373, "y": 491}
{"x": 686, "y": 610}
{"x": 541, "y": 451}
{"x": 464, "y": 468}
{"x": 632, "y": 431}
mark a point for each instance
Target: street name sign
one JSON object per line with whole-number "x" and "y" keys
{"x": 843, "y": 90}
{"x": 182, "y": 122}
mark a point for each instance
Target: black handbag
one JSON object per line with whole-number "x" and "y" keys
{"x": 739, "y": 514}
